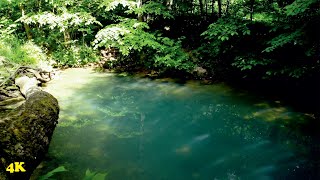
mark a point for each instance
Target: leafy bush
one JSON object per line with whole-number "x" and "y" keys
{"x": 89, "y": 175}
{"x": 52, "y": 173}
{"x": 75, "y": 55}
{"x": 110, "y": 5}
{"x": 298, "y": 7}
{"x": 63, "y": 21}
{"x": 7, "y": 27}
{"x": 221, "y": 44}
{"x": 154, "y": 51}
{"x": 225, "y": 29}
{"x": 247, "y": 63}
{"x": 24, "y": 54}
{"x": 283, "y": 44}
{"x": 153, "y": 9}
{"x": 94, "y": 175}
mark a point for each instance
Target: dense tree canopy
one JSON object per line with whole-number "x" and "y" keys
{"x": 254, "y": 38}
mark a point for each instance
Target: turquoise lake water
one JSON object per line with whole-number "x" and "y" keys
{"x": 140, "y": 129}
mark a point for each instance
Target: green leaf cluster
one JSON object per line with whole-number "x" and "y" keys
{"x": 94, "y": 175}
{"x": 130, "y": 36}
{"x": 247, "y": 63}
{"x": 89, "y": 175}
{"x": 52, "y": 173}
{"x": 61, "y": 21}
{"x": 281, "y": 40}
{"x": 226, "y": 28}
{"x": 299, "y": 6}
{"x": 152, "y": 8}
{"x": 293, "y": 38}
{"x": 7, "y": 27}
{"x": 110, "y": 5}
{"x": 28, "y": 53}
{"x": 75, "y": 55}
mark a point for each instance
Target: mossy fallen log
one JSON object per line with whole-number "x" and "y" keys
{"x": 25, "y": 132}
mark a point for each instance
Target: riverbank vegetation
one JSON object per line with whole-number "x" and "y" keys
{"x": 226, "y": 40}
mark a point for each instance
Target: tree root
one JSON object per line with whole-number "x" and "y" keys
{"x": 41, "y": 75}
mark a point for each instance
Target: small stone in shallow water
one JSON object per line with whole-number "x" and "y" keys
{"x": 183, "y": 150}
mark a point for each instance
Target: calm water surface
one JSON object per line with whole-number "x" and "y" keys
{"x": 136, "y": 128}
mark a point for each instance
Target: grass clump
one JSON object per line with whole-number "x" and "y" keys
{"x": 15, "y": 52}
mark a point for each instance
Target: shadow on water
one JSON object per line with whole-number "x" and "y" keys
{"x": 136, "y": 128}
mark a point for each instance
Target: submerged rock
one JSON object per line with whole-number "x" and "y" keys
{"x": 200, "y": 71}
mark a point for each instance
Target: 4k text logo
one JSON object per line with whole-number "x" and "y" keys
{"x": 16, "y": 167}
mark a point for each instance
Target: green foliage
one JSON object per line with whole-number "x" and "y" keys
{"x": 110, "y": 5}
{"x": 268, "y": 68}
{"x": 221, "y": 32}
{"x": 154, "y": 9}
{"x": 89, "y": 175}
{"x": 127, "y": 35}
{"x": 293, "y": 38}
{"x": 298, "y": 7}
{"x": 296, "y": 35}
{"x": 52, "y": 173}
{"x": 226, "y": 28}
{"x": 75, "y": 55}
{"x": 288, "y": 71}
{"x": 294, "y": 30}
{"x": 264, "y": 17}
{"x": 7, "y": 27}
{"x": 247, "y": 63}
{"x": 220, "y": 42}
{"x": 130, "y": 36}
{"x": 25, "y": 54}
{"x": 277, "y": 43}
{"x": 62, "y": 21}
{"x": 267, "y": 38}
{"x": 94, "y": 175}
{"x": 170, "y": 54}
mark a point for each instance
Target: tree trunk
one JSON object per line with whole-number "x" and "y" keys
{"x": 227, "y": 6}
{"x": 251, "y": 9}
{"x": 220, "y": 9}
{"x": 25, "y": 25}
{"x": 39, "y": 6}
{"x": 26, "y": 131}
{"x": 169, "y": 4}
{"x": 139, "y": 4}
{"x": 212, "y": 6}
{"x": 201, "y": 7}
{"x": 67, "y": 37}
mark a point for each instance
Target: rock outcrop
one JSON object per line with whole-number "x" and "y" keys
{"x": 26, "y": 131}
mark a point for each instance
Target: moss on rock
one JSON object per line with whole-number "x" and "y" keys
{"x": 25, "y": 133}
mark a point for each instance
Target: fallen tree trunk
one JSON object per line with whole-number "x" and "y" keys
{"x": 25, "y": 132}
{"x": 41, "y": 75}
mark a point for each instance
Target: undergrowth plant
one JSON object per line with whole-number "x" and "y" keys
{"x": 16, "y": 52}
{"x": 75, "y": 55}
{"x": 89, "y": 175}
{"x": 131, "y": 38}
